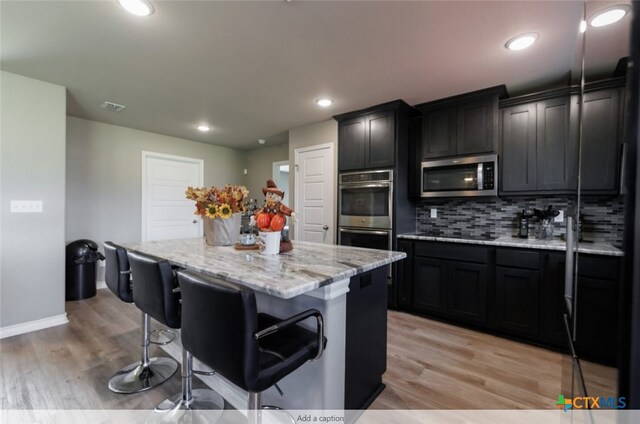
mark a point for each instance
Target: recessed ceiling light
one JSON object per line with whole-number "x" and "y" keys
{"x": 137, "y": 7}
{"x": 324, "y": 102}
{"x": 204, "y": 128}
{"x": 262, "y": 141}
{"x": 609, "y": 15}
{"x": 583, "y": 26}
{"x": 522, "y": 41}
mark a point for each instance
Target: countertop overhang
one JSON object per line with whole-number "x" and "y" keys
{"x": 591, "y": 248}
{"x": 307, "y": 267}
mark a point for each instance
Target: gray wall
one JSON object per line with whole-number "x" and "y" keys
{"x": 259, "y": 167}
{"x": 104, "y": 176}
{"x": 311, "y": 135}
{"x": 32, "y": 168}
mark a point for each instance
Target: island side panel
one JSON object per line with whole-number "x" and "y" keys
{"x": 366, "y": 338}
{"x": 319, "y": 384}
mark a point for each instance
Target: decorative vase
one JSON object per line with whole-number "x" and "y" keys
{"x": 222, "y": 232}
{"x": 546, "y": 230}
{"x": 270, "y": 242}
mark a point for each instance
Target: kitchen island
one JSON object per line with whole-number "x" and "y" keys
{"x": 346, "y": 284}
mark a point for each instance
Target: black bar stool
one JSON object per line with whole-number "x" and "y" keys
{"x": 222, "y": 328}
{"x": 152, "y": 295}
{"x": 147, "y": 373}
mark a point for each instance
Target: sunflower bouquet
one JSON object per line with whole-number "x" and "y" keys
{"x": 218, "y": 202}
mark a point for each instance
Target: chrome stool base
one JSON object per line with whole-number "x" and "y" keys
{"x": 136, "y": 377}
{"x": 161, "y": 336}
{"x": 205, "y": 406}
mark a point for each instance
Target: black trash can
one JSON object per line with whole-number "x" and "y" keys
{"x": 81, "y": 269}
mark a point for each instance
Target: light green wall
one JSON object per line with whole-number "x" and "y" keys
{"x": 259, "y": 165}
{"x": 32, "y": 164}
{"x": 104, "y": 176}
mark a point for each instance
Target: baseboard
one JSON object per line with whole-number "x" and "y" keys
{"x": 28, "y": 327}
{"x": 101, "y": 285}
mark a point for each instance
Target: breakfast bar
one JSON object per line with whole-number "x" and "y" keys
{"x": 348, "y": 285}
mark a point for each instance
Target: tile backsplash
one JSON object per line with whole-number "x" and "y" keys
{"x": 602, "y": 217}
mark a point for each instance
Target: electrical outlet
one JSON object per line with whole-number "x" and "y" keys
{"x": 26, "y": 206}
{"x": 246, "y": 171}
{"x": 434, "y": 213}
{"x": 560, "y": 217}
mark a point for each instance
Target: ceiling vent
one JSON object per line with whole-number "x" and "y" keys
{"x": 114, "y": 107}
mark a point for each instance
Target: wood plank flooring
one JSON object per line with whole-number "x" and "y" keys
{"x": 431, "y": 365}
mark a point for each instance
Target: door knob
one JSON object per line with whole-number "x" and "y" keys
{"x": 325, "y": 227}
{"x": 195, "y": 221}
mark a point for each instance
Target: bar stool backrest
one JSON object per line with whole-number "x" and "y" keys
{"x": 218, "y": 325}
{"x": 116, "y": 273}
{"x": 154, "y": 281}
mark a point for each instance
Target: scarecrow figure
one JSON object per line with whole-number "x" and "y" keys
{"x": 271, "y": 217}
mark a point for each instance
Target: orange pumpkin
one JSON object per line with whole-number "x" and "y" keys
{"x": 277, "y": 222}
{"x": 263, "y": 220}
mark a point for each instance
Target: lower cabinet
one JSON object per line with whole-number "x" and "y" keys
{"x": 450, "y": 288}
{"x": 516, "y": 307}
{"x": 514, "y": 292}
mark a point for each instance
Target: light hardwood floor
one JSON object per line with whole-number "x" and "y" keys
{"x": 431, "y": 365}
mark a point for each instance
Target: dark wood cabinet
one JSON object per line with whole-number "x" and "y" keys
{"x": 380, "y": 140}
{"x": 516, "y": 306}
{"x": 439, "y": 133}
{"x": 552, "y": 299}
{"x": 366, "y": 141}
{"x": 451, "y": 280}
{"x": 539, "y": 145}
{"x": 601, "y": 141}
{"x": 539, "y": 140}
{"x": 374, "y": 138}
{"x": 514, "y": 292}
{"x": 404, "y": 274}
{"x": 477, "y": 123}
{"x": 461, "y": 125}
{"x": 557, "y": 143}
{"x": 467, "y": 291}
{"x": 429, "y": 285}
{"x": 517, "y": 162}
{"x": 351, "y": 145}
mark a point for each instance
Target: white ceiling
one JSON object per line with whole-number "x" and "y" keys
{"x": 253, "y": 69}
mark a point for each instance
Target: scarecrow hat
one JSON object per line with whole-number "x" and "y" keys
{"x": 272, "y": 188}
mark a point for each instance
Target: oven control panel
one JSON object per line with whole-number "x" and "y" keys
{"x": 365, "y": 177}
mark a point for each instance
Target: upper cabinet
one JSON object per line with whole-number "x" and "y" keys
{"x": 539, "y": 141}
{"x": 461, "y": 125}
{"x": 602, "y": 138}
{"x": 539, "y": 137}
{"x": 373, "y": 138}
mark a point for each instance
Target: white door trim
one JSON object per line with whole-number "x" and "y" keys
{"x": 296, "y": 154}
{"x": 150, "y": 155}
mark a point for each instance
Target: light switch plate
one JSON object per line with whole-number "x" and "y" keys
{"x": 26, "y": 206}
{"x": 434, "y": 213}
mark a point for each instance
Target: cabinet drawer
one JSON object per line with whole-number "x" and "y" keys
{"x": 518, "y": 258}
{"x": 453, "y": 251}
{"x": 598, "y": 267}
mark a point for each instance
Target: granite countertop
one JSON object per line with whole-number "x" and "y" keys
{"x": 595, "y": 248}
{"x": 307, "y": 267}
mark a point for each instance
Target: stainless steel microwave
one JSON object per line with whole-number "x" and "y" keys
{"x": 460, "y": 177}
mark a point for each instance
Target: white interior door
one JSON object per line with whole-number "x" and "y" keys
{"x": 314, "y": 186}
{"x": 166, "y": 213}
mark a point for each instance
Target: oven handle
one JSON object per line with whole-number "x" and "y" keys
{"x": 359, "y": 185}
{"x": 376, "y": 233}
